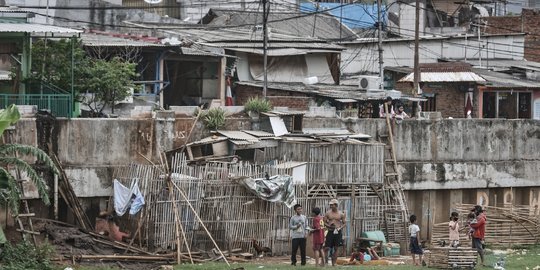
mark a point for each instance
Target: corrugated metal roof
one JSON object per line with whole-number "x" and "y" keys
{"x": 258, "y": 133}
{"x": 197, "y": 52}
{"x": 35, "y": 28}
{"x": 282, "y": 52}
{"x": 326, "y": 131}
{"x": 208, "y": 140}
{"x": 445, "y": 67}
{"x": 239, "y": 142}
{"x": 258, "y": 44}
{"x": 282, "y": 113}
{"x": 321, "y": 25}
{"x": 324, "y": 90}
{"x": 95, "y": 40}
{"x": 237, "y": 135}
{"x": 503, "y": 80}
{"x": 444, "y": 77}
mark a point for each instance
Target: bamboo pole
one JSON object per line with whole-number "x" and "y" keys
{"x": 200, "y": 220}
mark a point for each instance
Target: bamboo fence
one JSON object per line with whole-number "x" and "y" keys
{"x": 507, "y": 226}
{"x": 234, "y": 216}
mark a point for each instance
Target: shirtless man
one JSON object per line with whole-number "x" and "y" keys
{"x": 334, "y": 220}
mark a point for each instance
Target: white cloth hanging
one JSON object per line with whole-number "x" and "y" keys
{"x": 125, "y": 198}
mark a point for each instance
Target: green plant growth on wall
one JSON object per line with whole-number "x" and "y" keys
{"x": 214, "y": 118}
{"x": 257, "y": 105}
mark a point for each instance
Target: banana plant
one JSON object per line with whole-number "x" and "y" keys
{"x": 11, "y": 161}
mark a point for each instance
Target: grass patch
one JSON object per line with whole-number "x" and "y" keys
{"x": 514, "y": 259}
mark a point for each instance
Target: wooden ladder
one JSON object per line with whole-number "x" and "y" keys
{"x": 394, "y": 195}
{"x": 25, "y": 208}
{"x": 26, "y": 214}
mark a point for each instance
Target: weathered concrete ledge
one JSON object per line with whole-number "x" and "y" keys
{"x": 443, "y": 154}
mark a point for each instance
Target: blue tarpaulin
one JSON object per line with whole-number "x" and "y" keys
{"x": 352, "y": 15}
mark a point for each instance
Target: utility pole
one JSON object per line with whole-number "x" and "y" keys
{"x": 416, "y": 45}
{"x": 381, "y": 62}
{"x": 265, "y": 45}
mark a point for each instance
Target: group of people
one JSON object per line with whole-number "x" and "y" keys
{"x": 387, "y": 109}
{"x": 326, "y": 232}
{"x": 476, "y": 229}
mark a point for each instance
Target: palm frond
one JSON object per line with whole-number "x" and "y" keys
{"x": 31, "y": 173}
{"x": 13, "y": 191}
{"x": 12, "y": 149}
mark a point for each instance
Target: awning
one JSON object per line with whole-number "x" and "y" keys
{"x": 445, "y": 77}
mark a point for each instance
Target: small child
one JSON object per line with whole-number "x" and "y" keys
{"x": 361, "y": 249}
{"x": 318, "y": 236}
{"x": 453, "y": 229}
{"x": 471, "y": 220}
{"x": 414, "y": 232}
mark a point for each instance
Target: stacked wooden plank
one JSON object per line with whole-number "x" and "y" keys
{"x": 452, "y": 258}
{"x": 506, "y": 226}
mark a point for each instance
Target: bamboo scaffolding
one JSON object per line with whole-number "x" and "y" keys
{"x": 506, "y": 226}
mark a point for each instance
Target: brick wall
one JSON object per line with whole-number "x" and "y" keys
{"x": 278, "y": 98}
{"x": 528, "y": 22}
{"x": 450, "y": 100}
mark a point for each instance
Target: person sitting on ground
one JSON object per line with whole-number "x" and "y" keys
{"x": 453, "y": 229}
{"x": 363, "y": 248}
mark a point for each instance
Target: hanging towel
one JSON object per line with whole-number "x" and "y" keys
{"x": 125, "y": 198}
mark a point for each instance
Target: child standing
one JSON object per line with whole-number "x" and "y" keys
{"x": 318, "y": 236}
{"x": 453, "y": 229}
{"x": 414, "y": 232}
{"x": 471, "y": 220}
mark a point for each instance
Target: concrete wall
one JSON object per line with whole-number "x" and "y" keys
{"x": 442, "y": 162}
{"x": 399, "y": 52}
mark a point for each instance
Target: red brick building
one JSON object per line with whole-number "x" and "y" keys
{"x": 528, "y": 22}
{"x": 512, "y": 92}
{"x": 446, "y": 86}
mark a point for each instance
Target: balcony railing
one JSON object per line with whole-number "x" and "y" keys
{"x": 60, "y": 105}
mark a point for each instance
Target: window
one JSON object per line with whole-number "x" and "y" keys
{"x": 507, "y": 104}
{"x": 431, "y": 104}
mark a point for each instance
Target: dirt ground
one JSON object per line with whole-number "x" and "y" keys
{"x": 69, "y": 242}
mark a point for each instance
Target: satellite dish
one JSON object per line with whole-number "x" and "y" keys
{"x": 152, "y": 1}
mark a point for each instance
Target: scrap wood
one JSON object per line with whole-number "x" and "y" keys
{"x": 67, "y": 192}
{"x": 122, "y": 257}
{"x": 104, "y": 240}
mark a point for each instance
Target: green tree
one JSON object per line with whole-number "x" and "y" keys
{"x": 108, "y": 82}
{"x": 52, "y": 64}
{"x": 102, "y": 81}
{"x": 11, "y": 160}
